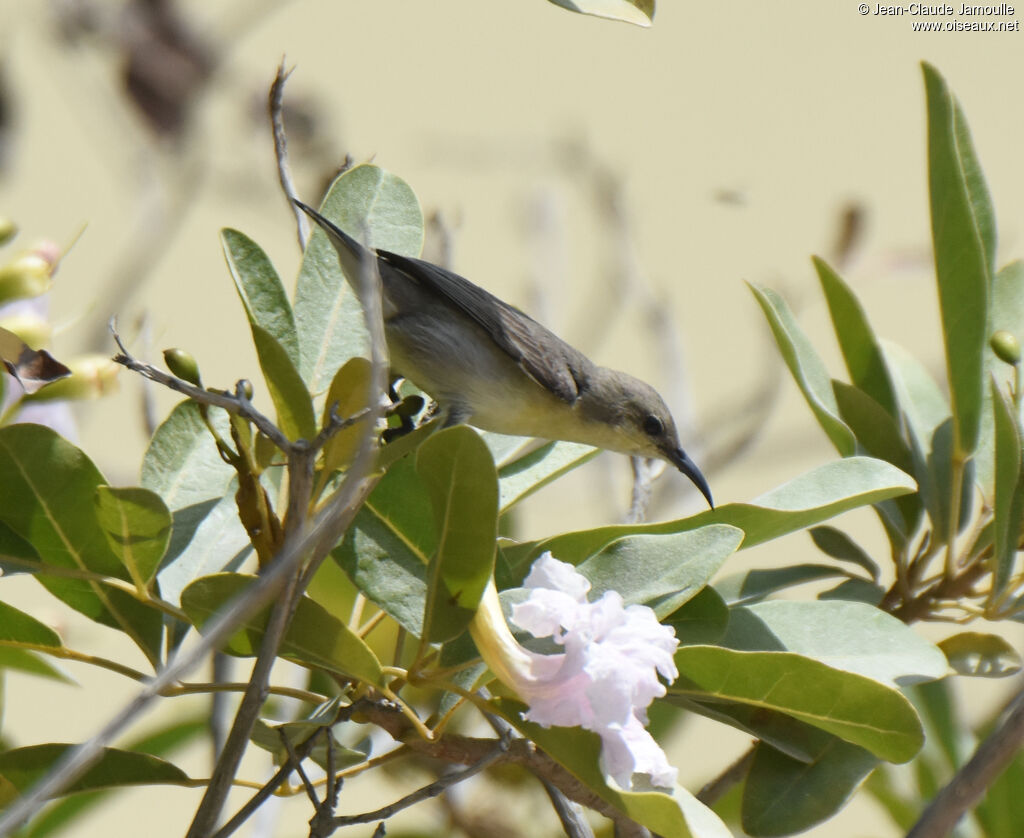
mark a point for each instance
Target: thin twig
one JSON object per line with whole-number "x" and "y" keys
{"x": 971, "y": 781}
{"x": 275, "y": 106}
{"x": 427, "y": 792}
{"x": 714, "y": 789}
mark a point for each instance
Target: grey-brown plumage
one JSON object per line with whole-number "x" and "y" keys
{"x": 489, "y": 364}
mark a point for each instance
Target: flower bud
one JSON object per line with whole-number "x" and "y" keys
{"x": 8, "y": 230}
{"x": 1006, "y": 347}
{"x": 183, "y": 365}
{"x": 91, "y": 377}
{"x": 26, "y": 276}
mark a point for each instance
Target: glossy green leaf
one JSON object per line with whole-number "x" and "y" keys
{"x": 1009, "y": 491}
{"x": 260, "y": 288}
{"x": 806, "y": 500}
{"x": 839, "y": 545}
{"x": 458, "y": 471}
{"x": 783, "y": 795}
{"x": 20, "y": 629}
{"x": 137, "y": 524}
{"x": 327, "y": 314}
{"x": 661, "y": 571}
{"x": 46, "y": 497}
{"x": 183, "y": 467}
{"x": 963, "y": 238}
{"x": 525, "y": 475}
{"x": 21, "y": 768}
{"x": 849, "y": 636}
{"x": 314, "y": 637}
{"x": 807, "y": 368}
{"x": 639, "y": 12}
{"x": 386, "y": 550}
{"x": 855, "y": 708}
{"x": 679, "y": 814}
{"x": 980, "y": 654}
{"x": 860, "y": 347}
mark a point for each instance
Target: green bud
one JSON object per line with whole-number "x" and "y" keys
{"x": 26, "y": 276}
{"x": 183, "y": 365}
{"x": 1006, "y": 347}
{"x": 8, "y": 230}
{"x": 247, "y": 390}
{"x": 91, "y": 376}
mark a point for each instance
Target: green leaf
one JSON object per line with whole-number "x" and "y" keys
{"x": 30, "y": 663}
{"x": 525, "y": 475}
{"x": 314, "y": 637}
{"x": 260, "y": 288}
{"x": 661, "y": 571}
{"x": 20, "y": 629}
{"x": 979, "y": 654}
{"x": 137, "y": 524}
{"x": 578, "y": 751}
{"x": 46, "y": 497}
{"x": 850, "y": 636}
{"x": 809, "y": 499}
{"x": 940, "y": 481}
{"x": 755, "y": 584}
{"x": 963, "y": 238}
{"x": 639, "y": 12}
{"x": 839, "y": 545}
{"x": 21, "y": 768}
{"x": 16, "y": 554}
{"x": 287, "y": 389}
{"x": 457, "y": 469}
{"x": 920, "y": 399}
{"x": 857, "y": 709}
{"x": 807, "y": 368}
{"x": 783, "y": 795}
{"x": 860, "y": 347}
{"x": 701, "y": 619}
{"x": 1009, "y": 493}
{"x": 350, "y": 392}
{"x": 271, "y": 738}
{"x": 183, "y": 467}
{"x": 327, "y": 314}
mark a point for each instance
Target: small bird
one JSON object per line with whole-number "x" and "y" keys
{"x": 488, "y": 364}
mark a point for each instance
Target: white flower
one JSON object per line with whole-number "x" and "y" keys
{"x": 606, "y": 677}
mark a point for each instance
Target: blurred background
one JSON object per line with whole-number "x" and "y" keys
{"x": 619, "y": 184}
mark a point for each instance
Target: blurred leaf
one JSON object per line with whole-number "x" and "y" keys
{"x": 314, "y": 637}
{"x": 855, "y": 708}
{"x": 29, "y": 663}
{"x": 46, "y": 497}
{"x": 350, "y": 391}
{"x": 525, "y": 475}
{"x": 457, "y": 469}
{"x": 33, "y": 369}
{"x": 23, "y": 767}
{"x": 578, "y": 751}
{"x": 261, "y": 291}
{"x": 1009, "y": 493}
{"x": 20, "y": 629}
{"x": 137, "y": 524}
{"x": 183, "y": 467}
{"x": 979, "y": 654}
{"x": 806, "y": 367}
{"x": 327, "y": 314}
{"x": 640, "y": 12}
{"x": 806, "y": 500}
{"x": 963, "y": 236}
{"x": 903, "y": 808}
{"x": 1001, "y": 808}
{"x": 839, "y": 545}
{"x": 783, "y": 795}
{"x": 661, "y": 571}
{"x": 945, "y": 730}
{"x": 860, "y": 347}
{"x": 849, "y": 636}
{"x": 856, "y": 590}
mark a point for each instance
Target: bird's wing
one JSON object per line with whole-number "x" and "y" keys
{"x": 541, "y": 354}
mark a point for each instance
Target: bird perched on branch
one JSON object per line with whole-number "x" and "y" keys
{"x": 489, "y": 364}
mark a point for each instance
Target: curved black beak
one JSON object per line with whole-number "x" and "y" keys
{"x": 688, "y": 467}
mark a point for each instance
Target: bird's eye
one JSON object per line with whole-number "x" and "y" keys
{"x": 653, "y": 426}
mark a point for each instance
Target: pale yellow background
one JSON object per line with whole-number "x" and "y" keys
{"x": 788, "y": 109}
